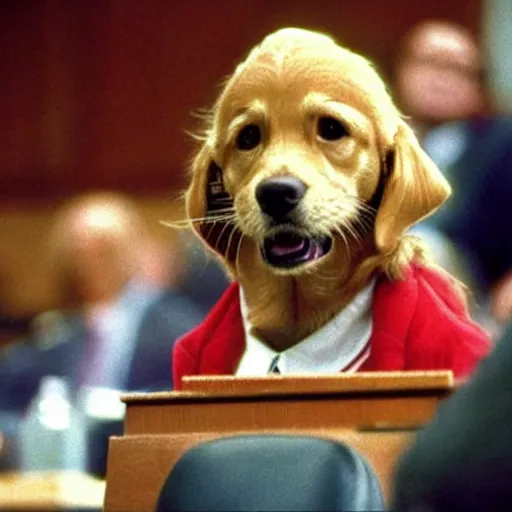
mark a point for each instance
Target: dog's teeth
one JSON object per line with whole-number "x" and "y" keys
{"x": 317, "y": 252}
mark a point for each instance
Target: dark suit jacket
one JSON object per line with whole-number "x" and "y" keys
{"x": 25, "y": 363}
{"x": 463, "y": 459}
{"x": 478, "y": 215}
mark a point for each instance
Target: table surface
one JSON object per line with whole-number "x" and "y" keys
{"x": 54, "y": 490}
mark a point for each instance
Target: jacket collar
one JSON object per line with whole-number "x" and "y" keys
{"x": 342, "y": 343}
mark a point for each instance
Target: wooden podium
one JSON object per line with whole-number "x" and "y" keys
{"x": 376, "y": 413}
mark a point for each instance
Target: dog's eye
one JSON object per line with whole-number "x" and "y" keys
{"x": 331, "y": 129}
{"x": 249, "y": 137}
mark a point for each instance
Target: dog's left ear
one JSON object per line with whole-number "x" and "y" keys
{"x": 414, "y": 189}
{"x": 209, "y": 206}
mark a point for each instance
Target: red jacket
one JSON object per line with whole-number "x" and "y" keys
{"x": 418, "y": 324}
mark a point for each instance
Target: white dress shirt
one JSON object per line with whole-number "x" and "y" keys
{"x": 116, "y": 328}
{"x": 342, "y": 344}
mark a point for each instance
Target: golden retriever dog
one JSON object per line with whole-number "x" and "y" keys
{"x": 305, "y": 182}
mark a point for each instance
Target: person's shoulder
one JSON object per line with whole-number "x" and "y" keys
{"x": 497, "y": 128}
{"x": 171, "y": 297}
{"x": 170, "y": 312}
{"x": 504, "y": 121}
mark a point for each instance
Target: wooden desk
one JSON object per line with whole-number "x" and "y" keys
{"x": 375, "y": 413}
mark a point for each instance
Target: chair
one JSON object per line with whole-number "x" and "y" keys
{"x": 271, "y": 473}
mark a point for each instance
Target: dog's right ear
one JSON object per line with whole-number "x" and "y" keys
{"x": 210, "y": 207}
{"x": 414, "y": 189}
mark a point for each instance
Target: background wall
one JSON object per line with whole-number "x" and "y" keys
{"x": 98, "y": 94}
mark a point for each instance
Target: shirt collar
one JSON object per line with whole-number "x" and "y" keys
{"x": 342, "y": 344}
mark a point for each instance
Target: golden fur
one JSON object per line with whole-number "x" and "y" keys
{"x": 285, "y": 85}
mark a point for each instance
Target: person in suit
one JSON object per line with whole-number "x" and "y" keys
{"x": 463, "y": 459}
{"x": 441, "y": 82}
{"x": 115, "y": 324}
{"x": 115, "y": 328}
{"x": 204, "y": 279}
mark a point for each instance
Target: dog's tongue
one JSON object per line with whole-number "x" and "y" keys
{"x": 286, "y": 250}
{"x": 288, "y": 246}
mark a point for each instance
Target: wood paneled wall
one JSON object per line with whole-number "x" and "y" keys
{"x": 98, "y": 93}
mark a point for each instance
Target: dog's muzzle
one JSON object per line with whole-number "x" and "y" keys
{"x": 287, "y": 247}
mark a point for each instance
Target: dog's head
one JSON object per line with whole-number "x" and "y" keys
{"x": 305, "y": 156}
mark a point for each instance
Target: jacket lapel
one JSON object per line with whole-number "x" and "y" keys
{"x": 225, "y": 337}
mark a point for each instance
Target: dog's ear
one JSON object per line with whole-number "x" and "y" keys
{"x": 415, "y": 188}
{"x": 210, "y": 207}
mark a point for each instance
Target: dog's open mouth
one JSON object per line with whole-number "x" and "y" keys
{"x": 289, "y": 249}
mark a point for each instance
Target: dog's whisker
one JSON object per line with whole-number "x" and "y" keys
{"x": 212, "y": 227}
{"x": 364, "y": 224}
{"x": 215, "y": 239}
{"x": 238, "y": 247}
{"x": 361, "y": 205}
{"x": 176, "y": 224}
{"x": 215, "y": 216}
{"x": 233, "y": 229}
{"x": 343, "y": 236}
{"x": 219, "y": 236}
{"x": 349, "y": 228}
{"x": 366, "y": 215}
{"x": 185, "y": 223}
{"x": 228, "y": 209}
{"x": 230, "y": 240}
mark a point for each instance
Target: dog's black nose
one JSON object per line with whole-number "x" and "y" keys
{"x": 278, "y": 196}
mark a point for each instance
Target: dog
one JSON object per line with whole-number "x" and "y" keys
{"x": 305, "y": 183}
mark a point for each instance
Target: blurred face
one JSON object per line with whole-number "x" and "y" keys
{"x": 438, "y": 80}
{"x": 99, "y": 255}
{"x": 97, "y": 276}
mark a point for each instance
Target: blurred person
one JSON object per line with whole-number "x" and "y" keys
{"x": 462, "y": 460}
{"x": 114, "y": 328}
{"x": 162, "y": 262}
{"x": 185, "y": 269}
{"x": 439, "y": 75}
{"x": 441, "y": 82}
{"x": 115, "y": 325}
{"x": 204, "y": 279}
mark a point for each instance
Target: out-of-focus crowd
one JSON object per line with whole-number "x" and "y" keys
{"x": 125, "y": 297}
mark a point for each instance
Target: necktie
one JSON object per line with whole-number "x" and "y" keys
{"x": 90, "y": 367}
{"x": 274, "y": 368}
